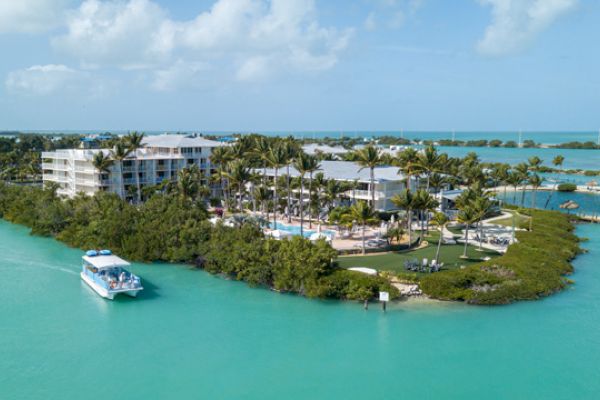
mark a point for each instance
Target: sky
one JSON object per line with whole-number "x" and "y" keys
{"x": 300, "y": 65}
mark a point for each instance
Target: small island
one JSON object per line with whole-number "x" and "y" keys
{"x": 274, "y": 213}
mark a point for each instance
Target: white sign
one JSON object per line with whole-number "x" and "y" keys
{"x": 384, "y": 296}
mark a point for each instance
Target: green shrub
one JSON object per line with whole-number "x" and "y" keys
{"x": 566, "y": 187}
{"x": 533, "y": 267}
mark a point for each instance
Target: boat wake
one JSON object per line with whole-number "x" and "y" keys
{"x": 33, "y": 264}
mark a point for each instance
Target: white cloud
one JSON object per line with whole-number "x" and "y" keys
{"x": 235, "y": 35}
{"x": 370, "y": 22}
{"x": 179, "y": 75}
{"x": 45, "y": 80}
{"x": 31, "y": 16}
{"x": 392, "y": 14}
{"x": 129, "y": 34}
{"x": 253, "y": 69}
{"x": 516, "y": 23}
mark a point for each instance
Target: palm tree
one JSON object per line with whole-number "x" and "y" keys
{"x": 291, "y": 149}
{"x": 312, "y": 165}
{"x": 466, "y": 216}
{"x": 119, "y": 153}
{"x": 535, "y": 163}
{"x": 514, "y": 180}
{"x": 440, "y": 220}
{"x": 262, "y": 195}
{"x": 239, "y": 174}
{"x": 429, "y": 161}
{"x": 406, "y": 201}
{"x": 188, "y": 182}
{"x": 558, "y": 161}
{"x": 276, "y": 158}
{"x": 261, "y": 150}
{"x": 408, "y": 162}
{"x": 500, "y": 174}
{"x": 320, "y": 183}
{"x": 102, "y": 163}
{"x": 362, "y": 213}
{"x": 535, "y": 181}
{"x": 523, "y": 170}
{"x": 302, "y": 163}
{"x": 426, "y": 204}
{"x": 481, "y": 206}
{"x": 437, "y": 181}
{"x": 369, "y": 157}
{"x": 134, "y": 141}
{"x": 219, "y": 158}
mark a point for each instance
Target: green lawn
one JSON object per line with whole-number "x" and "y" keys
{"x": 449, "y": 255}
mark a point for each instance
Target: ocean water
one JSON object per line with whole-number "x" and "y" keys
{"x": 547, "y": 137}
{"x": 191, "y": 335}
{"x": 574, "y": 158}
{"x": 589, "y": 203}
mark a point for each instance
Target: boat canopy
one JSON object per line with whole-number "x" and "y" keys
{"x": 107, "y": 261}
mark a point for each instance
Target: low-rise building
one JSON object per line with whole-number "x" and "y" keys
{"x": 388, "y": 182}
{"x": 160, "y": 159}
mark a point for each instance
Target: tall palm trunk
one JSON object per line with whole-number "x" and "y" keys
{"x": 310, "y": 178}
{"x": 373, "y": 187}
{"x": 301, "y": 205}
{"x": 289, "y": 196}
{"x": 275, "y": 199}
{"x": 439, "y": 246}
{"x": 533, "y": 197}
{"x": 137, "y": 181}
{"x": 466, "y": 241}
{"x": 122, "y": 183}
{"x": 363, "y": 239}
{"x": 480, "y": 235}
{"x": 409, "y": 226}
{"x": 240, "y": 197}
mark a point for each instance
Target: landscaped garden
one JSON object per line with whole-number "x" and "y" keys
{"x": 394, "y": 261}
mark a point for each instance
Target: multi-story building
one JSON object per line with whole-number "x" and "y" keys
{"x": 387, "y": 183}
{"x": 161, "y": 158}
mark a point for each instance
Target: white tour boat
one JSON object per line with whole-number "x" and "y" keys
{"x": 106, "y": 274}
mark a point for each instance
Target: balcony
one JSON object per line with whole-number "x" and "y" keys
{"x": 366, "y": 194}
{"x": 56, "y": 166}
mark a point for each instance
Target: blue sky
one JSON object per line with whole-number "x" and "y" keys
{"x": 300, "y": 65}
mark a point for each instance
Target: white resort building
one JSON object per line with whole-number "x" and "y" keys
{"x": 160, "y": 159}
{"x": 387, "y": 181}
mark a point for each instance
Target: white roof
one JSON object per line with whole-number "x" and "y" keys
{"x": 313, "y": 148}
{"x": 177, "y": 141}
{"x": 106, "y": 261}
{"x": 364, "y": 270}
{"x": 349, "y": 171}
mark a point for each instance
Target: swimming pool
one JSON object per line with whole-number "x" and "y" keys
{"x": 295, "y": 230}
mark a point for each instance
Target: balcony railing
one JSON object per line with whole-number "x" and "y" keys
{"x": 365, "y": 194}
{"x": 56, "y": 166}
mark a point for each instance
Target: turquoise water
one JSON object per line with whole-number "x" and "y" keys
{"x": 295, "y": 230}
{"x": 574, "y": 158}
{"x": 192, "y": 335}
{"x": 588, "y": 203}
{"x": 553, "y": 137}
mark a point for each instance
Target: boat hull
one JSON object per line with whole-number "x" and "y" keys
{"x": 108, "y": 294}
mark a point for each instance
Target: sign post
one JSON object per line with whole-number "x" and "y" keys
{"x": 384, "y": 297}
